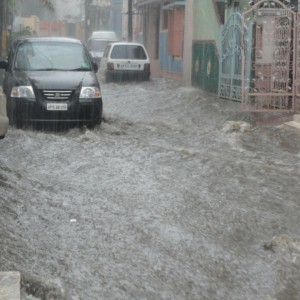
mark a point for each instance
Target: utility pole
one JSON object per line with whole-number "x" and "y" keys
{"x": 3, "y": 7}
{"x": 87, "y": 17}
{"x": 130, "y": 20}
{"x": 1, "y": 27}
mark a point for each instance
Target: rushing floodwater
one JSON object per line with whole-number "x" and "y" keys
{"x": 177, "y": 195}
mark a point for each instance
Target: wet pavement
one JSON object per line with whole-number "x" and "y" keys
{"x": 177, "y": 195}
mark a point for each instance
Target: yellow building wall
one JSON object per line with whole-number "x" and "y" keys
{"x": 32, "y": 22}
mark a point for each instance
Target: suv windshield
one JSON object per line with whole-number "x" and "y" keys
{"x": 99, "y": 45}
{"x": 128, "y": 52}
{"x": 49, "y": 55}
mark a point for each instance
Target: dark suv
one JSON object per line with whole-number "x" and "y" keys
{"x": 51, "y": 81}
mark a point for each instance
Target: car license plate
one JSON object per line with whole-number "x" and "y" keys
{"x": 57, "y": 106}
{"x": 129, "y": 66}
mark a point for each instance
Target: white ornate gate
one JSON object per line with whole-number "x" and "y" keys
{"x": 271, "y": 71}
{"x": 297, "y": 65}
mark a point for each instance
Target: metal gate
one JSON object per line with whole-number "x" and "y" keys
{"x": 270, "y": 66}
{"x": 297, "y": 65}
{"x": 230, "y": 76}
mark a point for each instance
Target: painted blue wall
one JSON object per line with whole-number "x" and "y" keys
{"x": 167, "y": 62}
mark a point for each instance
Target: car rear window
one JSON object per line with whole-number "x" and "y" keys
{"x": 128, "y": 52}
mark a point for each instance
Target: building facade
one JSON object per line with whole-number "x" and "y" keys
{"x": 208, "y": 17}
{"x": 160, "y": 27}
{"x": 183, "y": 39}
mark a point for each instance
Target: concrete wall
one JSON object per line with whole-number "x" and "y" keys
{"x": 206, "y": 23}
{"x": 152, "y": 31}
{"x": 206, "y": 45}
{"x": 188, "y": 41}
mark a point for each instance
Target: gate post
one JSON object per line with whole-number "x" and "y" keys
{"x": 297, "y": 64}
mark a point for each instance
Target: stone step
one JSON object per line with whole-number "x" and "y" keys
{"x": 10, "y": 285}
{"x": 292, "y": 125}
{"x": 296, "y": 118}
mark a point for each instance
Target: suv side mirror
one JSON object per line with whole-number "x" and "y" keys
{"x": 95, "y": 67}
{"x": 4, "y": 64}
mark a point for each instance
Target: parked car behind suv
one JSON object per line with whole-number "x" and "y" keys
{"x": 97, "y": 43}
{"x": 51, "y": 81}
{"x": 124, "y": 60}
{"x": 3, "y": 116}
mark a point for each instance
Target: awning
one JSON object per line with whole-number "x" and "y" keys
{"x": 146, "y": 2}
{"x": 174, "y": 4}
{"x": 171, "y": 5}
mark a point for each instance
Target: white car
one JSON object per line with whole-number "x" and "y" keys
{"x": 125, "y": 60}
{"x": 104, "y": 35}
{"x": 3, "y": 116}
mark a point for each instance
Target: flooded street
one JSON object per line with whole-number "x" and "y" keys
{"x": 176, "y": 195}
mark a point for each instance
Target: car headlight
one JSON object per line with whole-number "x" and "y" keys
{"x": 22, "y": 92}
{"x": 90, "y": 93}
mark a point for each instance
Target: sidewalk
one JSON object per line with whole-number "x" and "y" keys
{"x": 272, "y": 118}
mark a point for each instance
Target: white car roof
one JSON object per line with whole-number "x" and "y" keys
{"x": 103, "y": 35}
{"x": 127, "y": 43}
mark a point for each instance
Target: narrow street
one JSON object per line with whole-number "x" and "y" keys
{"x": 177, "y": 195}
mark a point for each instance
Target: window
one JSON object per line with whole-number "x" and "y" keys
{"x": 176, "y": 28}
{"x": 165, "y": 14}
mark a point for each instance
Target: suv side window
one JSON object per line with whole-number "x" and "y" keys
{"x": 11, "y": 54}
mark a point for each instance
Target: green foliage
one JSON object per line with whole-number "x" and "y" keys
{"x": 48, "y": 4}
{"x": 27, "y": 31}
{"x": 11, "y": 4}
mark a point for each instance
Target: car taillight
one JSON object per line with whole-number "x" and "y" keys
{"x": 110, "y": 66}
{"x": 146, "y": 66}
